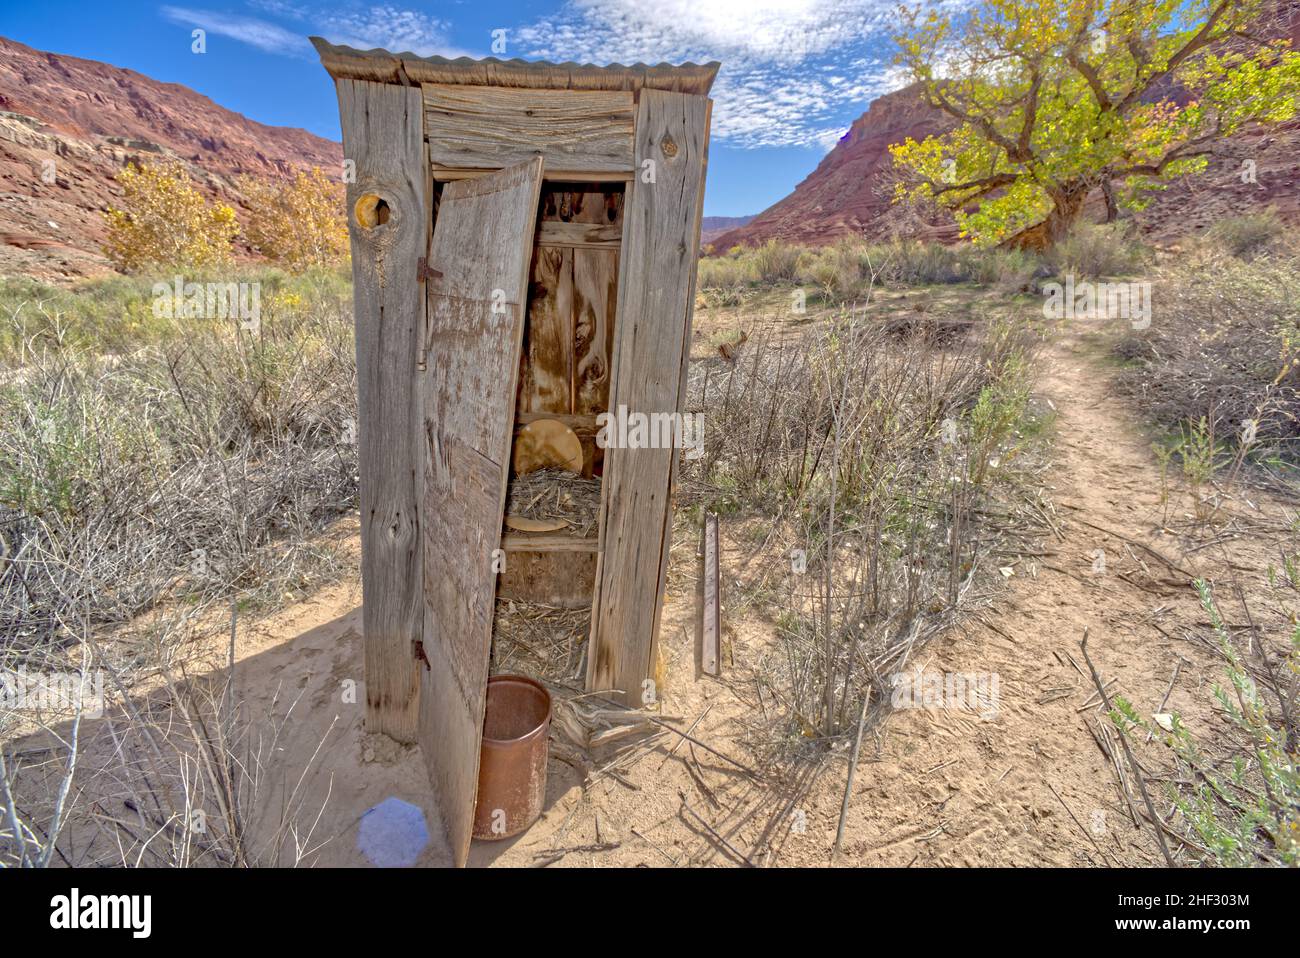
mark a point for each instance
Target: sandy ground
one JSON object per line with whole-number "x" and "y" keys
{"x": 1027, "y": 785}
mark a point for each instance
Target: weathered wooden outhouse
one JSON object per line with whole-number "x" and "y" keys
{"x": 524, "y": 239}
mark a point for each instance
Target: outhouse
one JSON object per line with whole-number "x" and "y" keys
{"x": 524, "y": 239}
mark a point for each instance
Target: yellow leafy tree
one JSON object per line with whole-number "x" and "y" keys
{"x": 165, "y": 222}
{"x": 1050, "y": 99}
{"x": 297, "y": 223}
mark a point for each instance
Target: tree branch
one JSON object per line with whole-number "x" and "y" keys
{"x": 1203, "y": 37}
{"x": 1086, "y": 70}
{"x": 1023, "y": 153}
{"x": 984, "y": 123}
{"x": 983, "y": 185}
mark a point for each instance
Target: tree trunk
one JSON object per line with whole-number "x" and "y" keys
{"x": 1112, "y": 205}
{"x": 1067, "y": 203}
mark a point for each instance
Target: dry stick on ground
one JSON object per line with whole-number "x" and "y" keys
{"x": 853, "y": 767}
{"x": 655, "y": 846}
{"x": 1102, "y": 738}
{"x": 1165, "y": 698}
{"x": 545, "y": 859}
{"x": 673, "y": 750}
{"x": 1156, "y": 820}
{"x": 694, "y": 741}
{"x": 1069, "y": 811}
{"x": 1141, "y": 545}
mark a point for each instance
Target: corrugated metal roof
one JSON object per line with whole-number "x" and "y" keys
{"x": 344, "y": 62}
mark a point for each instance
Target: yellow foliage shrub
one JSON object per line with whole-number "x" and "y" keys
{"x": 299, "y": 223}
{"x": 165, "y": 222}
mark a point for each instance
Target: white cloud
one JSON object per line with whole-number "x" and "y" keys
{"x": 262, "y": 34}
{"x": 400, "y": 31}
{"x": 772, "y": 31}
{"x": 791, "y": 69}
{"x": 794, "y": 73}
{"x": 360, "y": 26}
{"x": 829, "y": 138}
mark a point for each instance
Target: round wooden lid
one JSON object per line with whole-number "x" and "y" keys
{"x": 547, "y": 442}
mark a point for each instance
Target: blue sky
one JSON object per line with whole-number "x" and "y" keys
{"x": 795, "y": 73}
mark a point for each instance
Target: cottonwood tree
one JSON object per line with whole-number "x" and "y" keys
{"x": 164, "y": 221}
{"x": 297, "y": 223}
{"x": 1051, "y": 99}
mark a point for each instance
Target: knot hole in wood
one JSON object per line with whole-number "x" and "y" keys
{"x": 371, "y": 210}
{"x": 669, "y": 146}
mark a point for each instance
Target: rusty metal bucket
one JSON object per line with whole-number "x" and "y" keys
{"x": 512, "y": 765}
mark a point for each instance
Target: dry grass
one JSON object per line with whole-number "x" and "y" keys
{"x": 152, "y": 472}
{"x": 873, "y": 457}
{"x": 175, "y": 772}
{"x": 555, "y": 494}
{"x": 203, "y": 466}
{"x": 1221, "y": 348}
{"x": 1098, "y": 250}
{"x": 846, "y": 271}
{"x": 540, "y": 640}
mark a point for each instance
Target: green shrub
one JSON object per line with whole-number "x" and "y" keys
{"x": 1098, "y": 250}
{"x": 1249, "y": 235}
{"x": 922, "y": 264}
{"x": 776, "y": 262}
{"x": 1240, "y": 798}
{"x": 725, "y": 272}
{"x": 845, "y": 270}
{"x": 122, "y": 459}
{"x": 1007, "y": 268}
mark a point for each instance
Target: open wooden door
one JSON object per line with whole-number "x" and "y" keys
{"x": 477, "y": 280}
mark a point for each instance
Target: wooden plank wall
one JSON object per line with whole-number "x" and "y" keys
{"x": 569, "y": 344}
{"x": 383, "y": 134}
{"x": 481, "y": 127}
{"x": 481, "y": 247}
{"x": 661, "y": 225}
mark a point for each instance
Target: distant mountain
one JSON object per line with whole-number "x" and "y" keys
{"x": 849, "y": 192}
{"x": 90, "y": 119}
{"x": 712, "y": 227}
{"x": 846, "y": 194}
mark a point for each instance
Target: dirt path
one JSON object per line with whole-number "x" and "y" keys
{"x": 1032, "y": 787}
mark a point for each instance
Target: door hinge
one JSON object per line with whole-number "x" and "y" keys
{"x": 424, "y": 271}
{"x": 419, "y": 654}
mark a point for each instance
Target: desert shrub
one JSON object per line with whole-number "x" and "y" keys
{"x": 200, "y": 465}
{"x": 1004, "y": 268}
{"x": 770, "y": 412}
{"x": 725, "y": 272}
{"x": 716, "y": 297}
{"x": 854, "y": 443}
{"x": 842, "y": 271}
{"x": 1248, "y": 235}
{"x": 116, "y": 314}
{"x": 111, "y": 315}
{"x": 845, "y": 271}
{"x": 1098, "y": 250}
{"x": 1221, "y": 347}
{"x": 916, "y": 263}
{"x": 164, "y": 221}
{"x": 1239, "y": 797}
{"x": 921, "y": 264}
{"x": 775, "y": 262}
{"x": 847, "y": 268}
{"x": 297, "y": 223}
